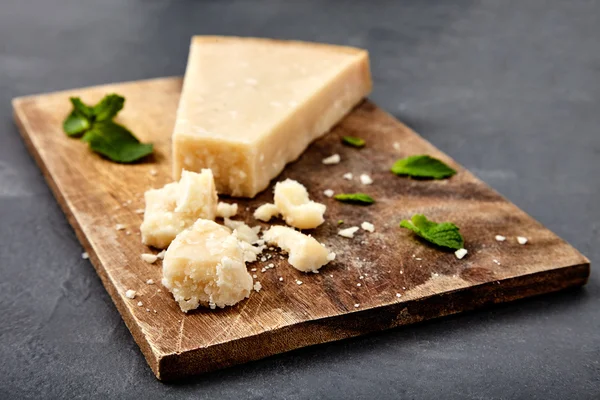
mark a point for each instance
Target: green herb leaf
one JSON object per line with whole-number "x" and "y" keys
{"x": 444, "y": 234}
{"x": 422, "y": 166}
{"x": 116, "y": 142}
{"x": 108, "y": 107}
{"x": 104, "y": 136}
{"x": 81, "y": 108}
{"x": 353, "y": 141}
{"x": 355, "y": 198}
{"x": 75, "y": 124}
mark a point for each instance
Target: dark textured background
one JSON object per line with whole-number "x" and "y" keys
{"x": 511, "y": 89}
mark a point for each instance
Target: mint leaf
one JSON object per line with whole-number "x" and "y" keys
{"x": 104, "y": 136}
{"x": 116, "y": 142}
{"x": 75, "y": 124}
{"x": 353, "y": 141}
{"x": 81, "y": 108}
{"x": 355, "y": 198}
{"x": 422, "y": 166}
{"x": 444, "y": 234}
{"x": 108, "y": 107}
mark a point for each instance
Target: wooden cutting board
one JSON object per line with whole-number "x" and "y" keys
{"x": 378, "y": 281}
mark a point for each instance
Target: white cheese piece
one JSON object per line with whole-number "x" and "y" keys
{"x": 130, "y": 294}
{"x": 266, "y": 212}
{"x": 85, "y": 255}
{"x": 328, "y": 192}
{"x": 333, "y": 159}
{"x": 120, "y": 227}
{"x": 460, "y": 253}
{"x": 257, "y": 286}
{"x": 522, "y": 240}
{"x": 204, "y": 265}
{"x": 149, "y": 258}
{"x": 150, "y": 282}
{"x": 243, "y": 231}
{"x": 348, "y": 232}
{"x": 161, "y": 254}
{"x": 291, "y": 199}
{"x": 305, "y": 252}
{"x": 176, "y": 206}
{"x": 249, "y": 106}
{"x": 500, "y": 238}
{"x": 365, "y": 179}
{"x": 367, "y": 226}
{"x": 348, "y": 176}
{"x": 225, "y": 210}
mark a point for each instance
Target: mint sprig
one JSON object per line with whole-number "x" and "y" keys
{"x": 444, "y": 234}
{"x": 96, "y": 127}
{"x": 355, "y": 198}
{"x": 422, "y": 166}
{"x": 353, "y": 141}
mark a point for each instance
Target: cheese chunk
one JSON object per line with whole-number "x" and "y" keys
{"x": 305, "y": 252}
{"x": 266, "y": 212}
{"x": 205, "y": 266}
{"x": 177, "y": 206}
{"x": 225, "y": 210}
{"x": 291, "y": 199}
{"x": 249, "y": 106}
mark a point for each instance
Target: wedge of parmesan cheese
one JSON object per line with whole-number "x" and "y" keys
{"x": 177, "y": 206}
{"x": 305, "y": 252}
{"x": 249, "y": 106}
{"x": 205, "y": 266}
{"x": 291, "y": 199}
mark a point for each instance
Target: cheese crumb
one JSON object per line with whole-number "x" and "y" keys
{"x": 398, "y": 295}
{"x": 348, "y": 176}
{"x": 500, "y": 238}
{"x": 153, "y": 172}
{"x": 333, "y": 159}
{"x": 139, "y": 211}
{"x": 396, "y": 146}
{"x": 150, "y": 282}
{"x": 149, "y": 258}
{"x": 257, "y": 286}
{"x": 365, "y": 179}
{"x": 147, "y": 310}
{"x": 298, "y": 282}
{"x": 356, "y": 305}
{"x": 305, "y": 252}
{"x": 140, "y": 304}
{"x": 348, "y": 232}
{"x": 460, "y": 253}
{"x": 120, "y": 227}
{"x": 367, "y": 226}
{"x": 281, "y": 279}
{"x": 130, "y": 294}
{"x": 225, "y": 210}
{"x": 161, "y": 254}
{"x": 292, "y": 200}
{"x": 359, "y": 284}
{"x": 266, "y": 212}
{"x": 85, "y": 255}
{"x": 522, "y": 239}
{"x": 497, "y": 262}
{"x": 328, "y": 192}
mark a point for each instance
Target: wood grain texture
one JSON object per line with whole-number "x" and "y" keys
{"x": 96, "y": 195}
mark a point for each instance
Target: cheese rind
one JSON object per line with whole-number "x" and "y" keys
{"x": 292, "y": 201}
{"x": 249, "y": 106}
{"x": 205, "y": 266}
{"x": 176, "y": 206}
{"x": 305, "y": 252}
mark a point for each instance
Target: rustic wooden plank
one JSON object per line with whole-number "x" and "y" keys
{"x": 96, "y": 195}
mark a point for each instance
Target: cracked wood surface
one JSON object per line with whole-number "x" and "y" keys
{"x": 96, "y": 195}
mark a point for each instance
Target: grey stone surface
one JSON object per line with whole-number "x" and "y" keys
{"x": 511, "y": 89}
